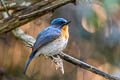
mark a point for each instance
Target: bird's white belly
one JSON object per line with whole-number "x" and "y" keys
{"x": 54, "y": 47}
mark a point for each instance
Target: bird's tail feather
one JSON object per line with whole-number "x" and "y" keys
{"x": 30, "y": 59}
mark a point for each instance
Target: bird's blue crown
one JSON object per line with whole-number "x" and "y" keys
{"x": 59, "y": 21}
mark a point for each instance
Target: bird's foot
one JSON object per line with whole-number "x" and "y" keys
{"x": 46, "y": 57}
{"x": 58, "y": 63}
{"x": 28, "y": 44}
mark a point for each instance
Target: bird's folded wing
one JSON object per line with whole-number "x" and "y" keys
{"x": 45, "y": 37}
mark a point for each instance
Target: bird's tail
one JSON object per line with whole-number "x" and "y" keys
{"x": 30, "y": 59}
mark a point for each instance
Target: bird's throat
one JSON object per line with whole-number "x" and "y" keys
{"x": 65, "y": 32}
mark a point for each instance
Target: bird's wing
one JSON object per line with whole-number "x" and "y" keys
{"x": 46, "y": 36}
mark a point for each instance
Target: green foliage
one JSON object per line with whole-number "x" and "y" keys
{"x": 110, "y": 5}
{"x": 93, "y": 20}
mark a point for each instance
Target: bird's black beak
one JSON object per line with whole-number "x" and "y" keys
{"x": 67, "y": 23}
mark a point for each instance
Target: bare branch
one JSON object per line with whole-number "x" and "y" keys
{"x": 88, "y": 67}
{"x": 68, "y": 58}
{"x": 21, "y": 19}
{"x": 15, "y": 5}
{"x": 29, "y": 14}
{"x": 4, "y": 6}
{"x": 29, "y": 40}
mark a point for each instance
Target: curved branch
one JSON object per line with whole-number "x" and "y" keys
{"x": 71, "y": 59}
{"x": 29, "y": 40}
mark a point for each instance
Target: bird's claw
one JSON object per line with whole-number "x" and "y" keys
{"x": 58, "y": 62}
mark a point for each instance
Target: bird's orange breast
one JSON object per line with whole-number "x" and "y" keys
{"x": 65, "y": 32}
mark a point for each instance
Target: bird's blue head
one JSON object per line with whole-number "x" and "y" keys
{"x": 60, "y": 22}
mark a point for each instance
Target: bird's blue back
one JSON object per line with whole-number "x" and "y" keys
{"x": 47, "y": 35}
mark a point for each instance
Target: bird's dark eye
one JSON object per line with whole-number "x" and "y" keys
{"x": 61, "y": 22}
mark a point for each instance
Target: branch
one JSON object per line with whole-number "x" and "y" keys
{"x": 15, "y": 5}
{"x": 30, "y": 40}
{"x": 88, "y": 67}
{"x": 68, "y": 58}
{"x": 4, "y": 6}
{"x": 29, "y": 14}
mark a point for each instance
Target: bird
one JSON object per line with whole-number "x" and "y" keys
{"x": 51, "y": 41}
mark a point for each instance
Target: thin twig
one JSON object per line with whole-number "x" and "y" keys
{"x": 4, "y": 6}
